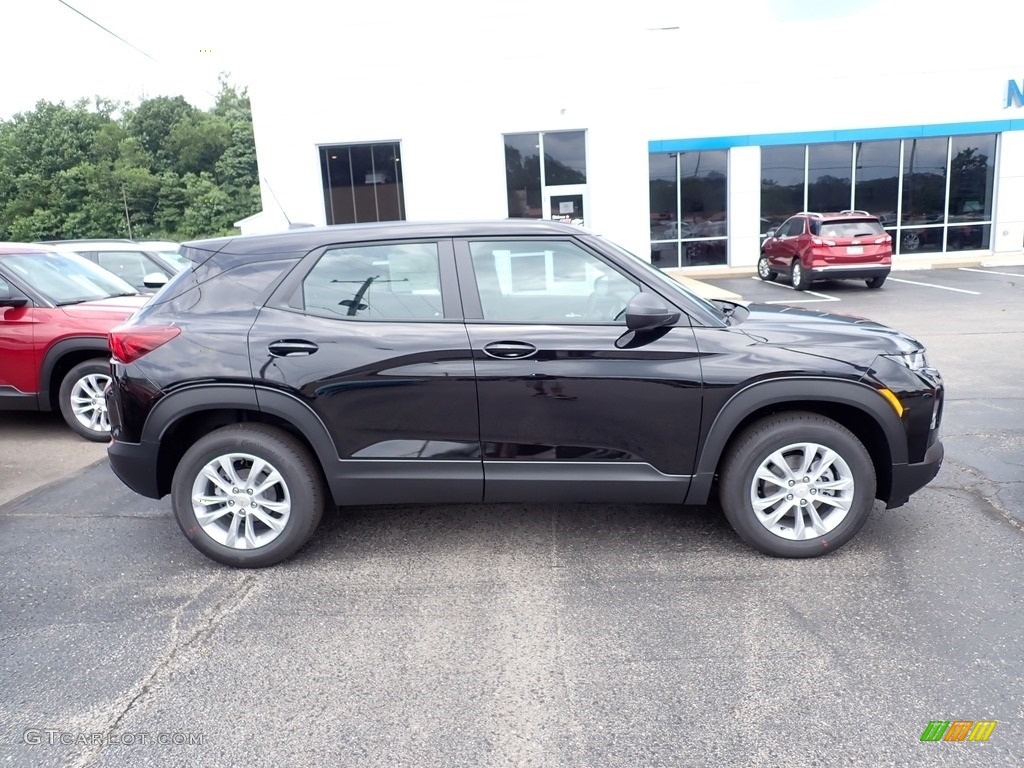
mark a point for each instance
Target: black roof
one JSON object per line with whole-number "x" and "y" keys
{"x": 307, "y": 238}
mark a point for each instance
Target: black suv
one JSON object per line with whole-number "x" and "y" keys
{"x": 497, "y": 362}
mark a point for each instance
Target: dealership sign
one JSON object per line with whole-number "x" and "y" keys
{"x": 1014, "y": 94}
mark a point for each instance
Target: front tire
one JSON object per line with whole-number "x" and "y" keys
{"x": 248, "y": 495}
{"x": 797, "y": 485}
{"x": 82, "y": 402}
{"x": 764, "y": 269}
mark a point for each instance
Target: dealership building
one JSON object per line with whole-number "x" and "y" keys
{"x": 683, "y": 147}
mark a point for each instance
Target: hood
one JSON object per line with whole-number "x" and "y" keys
{"x": 800, "y": 328}
{"x": 119, "y": 307}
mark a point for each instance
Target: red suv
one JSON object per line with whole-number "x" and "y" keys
{"x": 827, "y": 246}
{"x": 55, "y": 311}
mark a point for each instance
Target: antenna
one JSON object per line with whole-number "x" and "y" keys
{"x": 278, "y": 202}
{"x": 283, "y": 212}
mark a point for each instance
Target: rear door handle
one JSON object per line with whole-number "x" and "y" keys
{"x": 292, "y": 348}
{"x": 506, "y": 350}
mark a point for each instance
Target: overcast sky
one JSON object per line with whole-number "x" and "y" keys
{"x": 53, "y": 53}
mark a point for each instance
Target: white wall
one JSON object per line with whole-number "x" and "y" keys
{"x": 1008, "y": 229}
{"x": 447, "y": 79}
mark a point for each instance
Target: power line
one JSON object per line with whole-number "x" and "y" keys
{"x": 93, "y": 21}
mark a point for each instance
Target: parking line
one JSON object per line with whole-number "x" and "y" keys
{"x": 932, "y": 285}
{"x": 989, "y": 272}
{"x": 821, "y": 296}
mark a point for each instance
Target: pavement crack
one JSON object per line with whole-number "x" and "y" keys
{"x": 180, "y": 641}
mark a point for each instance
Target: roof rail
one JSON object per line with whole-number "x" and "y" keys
{"x": 89, "y": 240}
{"x": 811, "y": 213}
{"x": 855, "y": 213}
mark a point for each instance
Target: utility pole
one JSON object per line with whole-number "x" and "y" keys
{"x": 127, "y": 218}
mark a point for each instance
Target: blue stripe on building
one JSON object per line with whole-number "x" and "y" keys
{"x": 827, "y": 137}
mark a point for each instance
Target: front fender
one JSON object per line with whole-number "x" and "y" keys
{"x": 793, "y": 392}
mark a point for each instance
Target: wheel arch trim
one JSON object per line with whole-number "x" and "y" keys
{"x": 782, "y": 392}
{"x": 57, "y": 352}
{"x": 213, "y": 397}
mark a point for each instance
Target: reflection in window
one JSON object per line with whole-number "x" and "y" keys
{"x": 971, "y": 175}
{"x": 688, "y": 206}
{"x": 362, "y": 182}
{"x": 565, "y": 158}
{"x": 522, "y": 175}
{"x": 877, "y": 179}
{"x": 782, "y": 184}
{"x": 380, "y": 282}
{"x": 924, "y": 181}
{"x": 547, "y": 282}
{"x": 828, "y": 177}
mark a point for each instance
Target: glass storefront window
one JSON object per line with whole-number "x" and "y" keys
{"x": 877, "y": 174}
{"x": 782, "y": 184}
{"x": 688, "y": 193}
{"x": 828, "y": 177}
{"x": 522, "y": 175}
{"x": 362, "y": 182}
{"x": 565, "y": 158}
{"x": 924, "y": 181}
{"x": 971, "y": 175}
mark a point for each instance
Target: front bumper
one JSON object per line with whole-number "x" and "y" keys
{"x": 910, "y": 478}
{"x": 135, "y": 465}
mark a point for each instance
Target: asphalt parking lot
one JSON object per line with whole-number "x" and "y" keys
{"x": 541, "y": 635}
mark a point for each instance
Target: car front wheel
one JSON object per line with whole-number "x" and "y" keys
{"x": 82, "y": 402}
{"x": 248, "y": 495}
{"x": 797, "y": 485}
{"x": 764, "y": 269}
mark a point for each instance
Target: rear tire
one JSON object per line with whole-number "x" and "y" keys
{"x": 797, "y": 485}
{"x": 248, "y": 495}
{"x": 764, "y": 269}
{"x": 798, "y": 276}
{"x": 875, "y": 282}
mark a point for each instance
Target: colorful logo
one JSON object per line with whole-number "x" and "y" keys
{"x": 958, "y": 730}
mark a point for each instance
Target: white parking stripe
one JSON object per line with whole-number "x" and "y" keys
{"x": 932, "y": 285}
{"x": 989, "y": 272}
{"x": 821, "y": 296}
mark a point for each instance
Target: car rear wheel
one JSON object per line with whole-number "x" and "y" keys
{"x": 82, "y": 402}
{"x": 797, "y": 485}
{"x": 248, "y": 495}
{"x": 764, "y": 269}
{"x": 875, "y": 282}
{"x": 798, "y": 277}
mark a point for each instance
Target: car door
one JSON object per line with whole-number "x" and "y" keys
{"x": 370, "y": 337}
{"x": 19, "y": 358}
{"x": 779, "y": 246}
{"x": 564, "y": 412}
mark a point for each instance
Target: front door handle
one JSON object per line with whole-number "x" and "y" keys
{"x": 292, "y": 348}
{"x": 507, "y": 350}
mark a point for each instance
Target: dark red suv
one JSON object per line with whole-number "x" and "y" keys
{"x": 827, "y": 246}
{"x": 55, "y": 311}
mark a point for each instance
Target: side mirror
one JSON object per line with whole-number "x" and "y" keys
{"x": 155, "y": 280}
{"x": 11, "y": 298}
{"x": 646, "y": 311}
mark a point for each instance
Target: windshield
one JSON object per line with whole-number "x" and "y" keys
{"x": 663, "y": 278}
{"x": 175, "y": 259}
{"x": 67, "y": 278}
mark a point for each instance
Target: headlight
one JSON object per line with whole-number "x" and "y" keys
{"x": 915, "y": 361}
